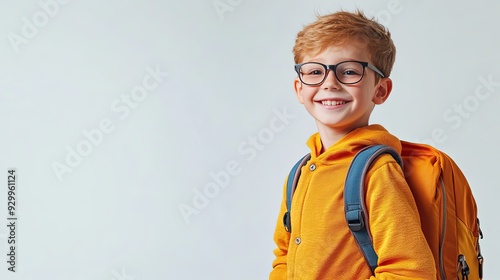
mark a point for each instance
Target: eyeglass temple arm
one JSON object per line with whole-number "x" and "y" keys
{"x": 375, "y": 69}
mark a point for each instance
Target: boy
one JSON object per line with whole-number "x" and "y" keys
{"x": 343, "y": 63}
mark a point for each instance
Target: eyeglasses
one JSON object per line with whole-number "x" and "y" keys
{"x": 346, "y": 72}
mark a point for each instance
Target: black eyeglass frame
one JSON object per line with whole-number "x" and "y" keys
{"x": 334, "y": 68}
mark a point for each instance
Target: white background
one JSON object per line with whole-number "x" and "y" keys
{"x": 117, "y": 215}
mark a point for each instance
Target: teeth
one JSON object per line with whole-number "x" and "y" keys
{"x": 332, "y": 102}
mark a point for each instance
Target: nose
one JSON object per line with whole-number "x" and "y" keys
{"x": 331, "y": 81}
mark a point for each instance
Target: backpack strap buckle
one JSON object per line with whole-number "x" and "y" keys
{"x": 355, "y": 219}
{"x": 287, "y": 222}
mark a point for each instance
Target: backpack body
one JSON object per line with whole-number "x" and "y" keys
{"x": 445, "y": 202}
{"x": 448, "y": 211}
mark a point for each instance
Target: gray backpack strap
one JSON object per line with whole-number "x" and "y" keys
{"x": 354, "y": 201}
{"x": 291, "y": 184}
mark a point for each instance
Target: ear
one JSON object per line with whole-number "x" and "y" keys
{"x": 297, "y": 85}
{"x": 383, "y": 91}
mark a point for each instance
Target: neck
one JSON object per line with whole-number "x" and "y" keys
{"x": 330, "y": 137}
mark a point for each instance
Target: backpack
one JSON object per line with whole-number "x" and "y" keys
{"x": 444, "y": 200}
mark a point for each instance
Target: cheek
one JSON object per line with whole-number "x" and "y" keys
{"x": 308, "y": 93}
{"x": 364, "y": 95}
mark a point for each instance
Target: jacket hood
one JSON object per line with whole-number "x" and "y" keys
{"x": 352, "y": 143}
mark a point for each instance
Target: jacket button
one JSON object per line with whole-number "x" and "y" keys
{"x": 297, "y": 240}
{"x": 312, "y": 167}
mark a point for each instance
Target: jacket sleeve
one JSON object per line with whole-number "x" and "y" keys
{"x": 394, "y": 222}
{"x": 281, "y": 238}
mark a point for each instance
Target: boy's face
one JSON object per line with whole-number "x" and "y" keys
{"x": 337, "y": 107}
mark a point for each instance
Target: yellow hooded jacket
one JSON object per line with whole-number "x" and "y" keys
{"x": 321, "y": 246}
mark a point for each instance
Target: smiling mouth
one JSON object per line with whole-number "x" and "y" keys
{"x": 333, "y": 102}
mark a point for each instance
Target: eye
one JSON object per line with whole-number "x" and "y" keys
{"x": 351, "y": 72}
{"x": 314, "y": 72}
{"x": 350, "y": 68}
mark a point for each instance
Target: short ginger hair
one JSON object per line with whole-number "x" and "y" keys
{"x": 341, "y": 28}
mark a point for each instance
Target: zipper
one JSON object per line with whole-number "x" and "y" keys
{"x": 443, "y": 231}
{"x": 480, "y": 258}
{"x": 464, "y": 266}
